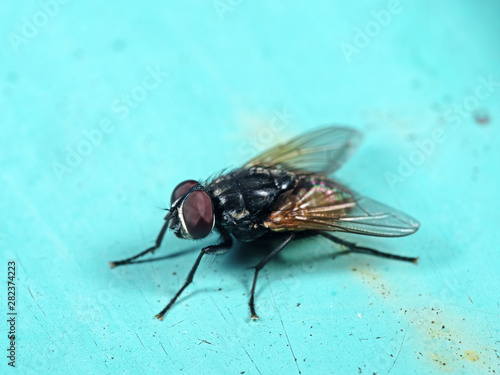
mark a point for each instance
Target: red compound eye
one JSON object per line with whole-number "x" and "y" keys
{"x": 198, "y": 214}
{"x": 182, "y": 189}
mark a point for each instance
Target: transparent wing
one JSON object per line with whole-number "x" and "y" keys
{"x": 376, "y": 219}
{"x": 321, "y": 151}
{"x": 332, "y": 207}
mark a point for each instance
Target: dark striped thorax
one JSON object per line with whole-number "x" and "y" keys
{"x": 244, "y": 198}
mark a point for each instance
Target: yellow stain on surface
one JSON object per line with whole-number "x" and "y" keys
{"x": 438, "y": 333}
{"x": 471, "y": 355}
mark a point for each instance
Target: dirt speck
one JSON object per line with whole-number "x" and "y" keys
{"x": 441, "y": 361}
{"x": 481, "y": 117}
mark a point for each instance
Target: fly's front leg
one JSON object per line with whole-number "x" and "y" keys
{"x": 220, "y": 248}
{"x": 159, "y": 239}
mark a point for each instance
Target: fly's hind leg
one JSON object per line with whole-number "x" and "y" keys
{"x": 352, "y": 247}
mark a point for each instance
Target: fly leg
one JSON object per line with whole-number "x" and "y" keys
{"x": 218, "y": 249}
{"x": 151, "y": 249}
{"x": 258, "y": 267}
{"x": 352, "y": 247}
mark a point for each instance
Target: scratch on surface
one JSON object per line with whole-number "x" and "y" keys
{"x": 31, "y": 294}
{"x": 376, "y": 338}
{"x": 284, "y": 330}
{"x": 218, "y": 308}
{"x": 142, "y": 294}
{"x": 399, "y": 352}
{"x": 472, "y": 309}
{"x": 204, "y": 341}
{"x": 105, "y": 308}
{"x": 144, "y": 297}
{"x": 173, "y": 325}
{"x": 139, "y": 339}
{"x": 164, "y": 350}
{"x": 251, "y": 359}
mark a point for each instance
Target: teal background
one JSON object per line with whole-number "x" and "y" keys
{"x": 230, "y": 79}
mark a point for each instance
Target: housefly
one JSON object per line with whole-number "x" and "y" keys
{"x": 285, "y": 192}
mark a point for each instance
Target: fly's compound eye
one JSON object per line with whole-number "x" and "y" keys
{"x": 182, "y": 189}
{"x": 198, "y": 214}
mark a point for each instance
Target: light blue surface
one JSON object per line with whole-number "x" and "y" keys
{"x": 214, "y": 85}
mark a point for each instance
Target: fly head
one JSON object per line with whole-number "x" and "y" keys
{"x": 191, "y": 214}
